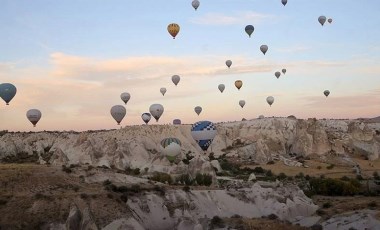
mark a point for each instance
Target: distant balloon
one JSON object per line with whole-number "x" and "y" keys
{"x": 175, "y": 79}
{"x": 156, "y": 110}
{"x": 277, "y": 74}
{"x": 173, "y": 29}
{"x": 198, "y": 109}
{"x": 33, "y": 115}
{"x": 118, "y": 113}
{"x": 203, "y": 133}
{"x": 177, "y": 122}
{"x": 242, "y": 103}
{"x": 146, "y": 117}
{"x": 284, "y": 2}
{"x": 228, "y": 63}
{"x": 264, "y": 49}
{"x": 330, "y": 20}
{"x": 326, "y": 93}
{"x": 163, "y": 91}
{"x": 7, "y": 92}
{"x": 171, "y": 147}
{"x": 284, "y": 71}
{"x": 270, "y": 100}
{"x": 249, "y": 29}
{"x": 221, "y": 87}
{"x": 125, "y": 97}
{"x": 238, "y": 84}
{"x": 322, "y": 20}
{"x": 195, "y": 4}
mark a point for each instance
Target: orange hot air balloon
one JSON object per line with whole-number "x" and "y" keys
{"x": 173, "y": 29}
{"x": 238, "y": 84}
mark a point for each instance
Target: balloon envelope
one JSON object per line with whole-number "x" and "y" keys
{"x": 228, "y": 63}
{"x": 264, "y": 49}
{"x": 177, "y": 122}
{"x": 173, "y": 29}
{"x": 125, "y": 97}
{"x": 221, "y": 87}
{"x": 330, "y": 20}
{"x": 249, "y": 29}
{"x": 156, "y": 110}
{"x": 284, "y": 2}
{"x": 171, "y": 147}
{"x": 238, "y": 84}
{"x": 175, "y": 79}
{"x": 198, "y": 109}
{"x": 195, "y": 4}
{"x": 163, "y": 91}
{"x": 118, "y": 113}
{"x": 242, "y": 103}
{"x": 277, "y": 74}
{"x": 284, "y": 71}
{"x": 7, "y": 92}
{"x": 270, "y": 100}
{"x": 146, "y": 117}
{"x": 322, "y": 20}
{"x": 326, "y": 93}
{"x": 33, "y": 115}
{"x": 203, "y": 133}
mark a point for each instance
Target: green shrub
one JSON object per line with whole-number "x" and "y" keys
{"x": 281, "y": 176}
{"x": 376, "y": 175}
{"x": 83, "y": 196}
{"x": 203, "y": 179}
{"x": 216, "y": 222}
{"x": 270, "y": 163}
{"x": 124, "y": 197}
{"x": 334, "y": 187}
{"x": 162, "y": 177}
{"x": 186, "y": 188}
{"x": 66, "y": 169}
{"x": 259, "y": 170}
{"x": 372, "y": 204}
{"x": 327, "y": 205}
{"x": 185, "y": 179}
{"x": 331, "y": 166}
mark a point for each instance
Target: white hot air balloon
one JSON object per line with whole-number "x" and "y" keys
{"x": 221, "y": 87}
{"x": 33, "y": 115}
{"x": 125, "y": 97}
{"x": 163, "y": 91}
{"x": 264, "y": 49}
{"x": 277, "y": 74}
{"x": 175, "y": 79}
{"x": 198, "y": 109}
{"x": 195, "y": 4}
{"x": 146, "y": 117}
{"x": 118, "y": 113}
{"x": 156, "y": 110}
{"x": 270, "y": 100}
{"x": 322, "y": 20}
{"x": 228, "y": 63}
{"x": 171, "y": 148}
{"x": 242, "y": 103}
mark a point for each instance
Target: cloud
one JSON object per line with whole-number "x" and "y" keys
{"x": 238, "y": 18}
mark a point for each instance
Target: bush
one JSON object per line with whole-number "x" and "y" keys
{"x": 327, "y": 205}
{"x": 83, "y": 196}
{"x": 319, "y": 167}
{"x": 3, "y": 202}
{"x": 162, "y": 177}
{"x": 345, "y": 178}
{"x": 211, "y": 156}
{"x": 316, "y": 227}
{"x": 259, "y": 170}
{"x": 376, "y": 175}
{"x": 299, "y": 175}
{"x": 124, "y": 197}
{"x": 320, "y": 212}
{"x": 281, "y": 176}
{"x": 334, "y": 187}
{"x": 331, "y": 166}
{"x": 272, "y": 216}
{"x": 372, "y": 204}
{"x": 203, "y": 179}
{"x": 185, "y": 179}
{"x": 270, "y": 163}
{"x": 66, "y": 169}
{"x": 186, "y": 188}
{"x": 216, "y": 222}
{"x": 135, "y": 188}
{"x": 359, "y": 177}
{"x": 269, "y": 173}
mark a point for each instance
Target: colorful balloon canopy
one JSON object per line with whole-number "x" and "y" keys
{"x": 125, "y": 97}
{"x": 322, "y": 20}
{"x": 264, "y": 49}
{"x": 171, "y": 147}
{"x": 242, "y": 103}
{"x": 326, "y": 93}
{"x": 33, "y": 115}
{"x": 270, "y": 100}
{"x": 221, "y": 87}
{"x": 176, "y": 79}
{"x": 156, "y": 110}
{"x": 146, "y": 117}
{"x": 163, "y": 91}
{"x": 203, "y": 133}
{"x": 330, "y": 20}
{"x": 238, "y": 84}
{"x": 228, "y": 63}
{"x": 198, "y": 109}
{"x": 173, "y": 29}
{"x": 118, "y": 112}
{"x": 195, "y": 4}
{"x": 249, "y": 30}
{"x": 7, "y": 92}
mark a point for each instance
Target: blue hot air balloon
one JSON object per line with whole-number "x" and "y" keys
{"x": 203, "y": 133}
{"x": 249, "y": 29}
{"x": 7, "y": 92}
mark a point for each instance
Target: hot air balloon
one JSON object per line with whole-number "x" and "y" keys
{"x": 270, "y": 100}
{"x": 228, "y": 63}
{"x": 330, "y": 20}
{"x": 264, "y": 49}
{"x": 277, "y": 74}
{"x": 249, "y": 29}
{"x": 242, "y": 103}
{"x": 146, "y": 117}
{"x": 177, "y": 122}
{"x": 163, "y": 91}
{"x": 322, "y": 20}
{"x": 7, "y": 92}
{"x": 238, "y": 84}
{"x": 125, "y": 97}
{"x": 33, "y": 115}
{"x": 203, "y": 133}
{"x": 284, "y": 71}
{"x": 171, "y": 147}
{"x": 118, "y": 113}
{"x": 221, "y": 87}
{"x": 173, "y": 29}
{"x": 195, "y": 4}
{"x": 326, "y": 93}
{"x": 175, "y": 79}
{"x": 156, "y": 110}
{"x": 284, "y": 2}
{"x": 198, "y": 109}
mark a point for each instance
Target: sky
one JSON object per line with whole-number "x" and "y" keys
{"x": 72, "y": 59}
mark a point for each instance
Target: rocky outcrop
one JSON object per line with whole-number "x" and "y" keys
{"x": 80, "y": 220}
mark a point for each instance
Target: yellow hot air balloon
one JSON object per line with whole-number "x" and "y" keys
{"x": 238, "y": 84}
{"x": 173, "y": 29}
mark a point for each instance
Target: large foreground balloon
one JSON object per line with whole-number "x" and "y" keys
{"x": 284, "y": 71}
{"x": 198, "y": 109}
{"x": 270, "y": 100}
{"x": 173, "y": 29}
{"x": 228, "y": 63}
{"x": 195, "y": 4}
{"x": 125, "y": 97}
{"x": 146, "y": 117}
{"x": 33, "y": 115}
{"x": 118, "y": 113}
{"x": 326, "y": 93}
{"x": 238, "y": 84}
{"x": 156, "y": 110}
{"x": 7, "y": 92}
{"x": 330, "y": 20}
{"x": 249, "y": 29}
{"x": 264, "y": 49}
{"x": 221, "y": 87}
{"x": 284, "y": 2}
{"x": 163, "y": 91}
{"x": 322, "y": 20}
{"x": 175, "y": 79}
{"x": 171, "y": 147}
{"x": 242, "y": 103}
{"x": 277, "y": 74}
{"x": 203, "y": 133}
